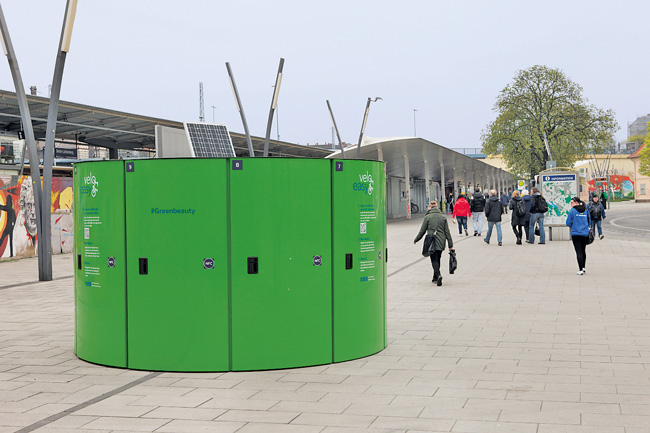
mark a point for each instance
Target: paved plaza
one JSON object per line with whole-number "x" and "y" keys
{"x": 514, "y": 342}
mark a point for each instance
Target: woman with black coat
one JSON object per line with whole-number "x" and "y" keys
{"x": 517, "y": 221}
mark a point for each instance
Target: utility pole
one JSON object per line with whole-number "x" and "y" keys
{"x": 201, "y": 113}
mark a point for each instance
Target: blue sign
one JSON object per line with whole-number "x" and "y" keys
{"x": 558, "y": 177}
{"x": 318, "y": 260}
{"x": 208, "y": 263}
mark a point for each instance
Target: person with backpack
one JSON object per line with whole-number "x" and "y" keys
{"x": 527, "y": 199}
{"x": 519, "y": 211}
{"x": 538, "y": 208}
{"x": 504, "y": 202}
{"x": 579, "y": 220}
{"x": 477, "y": 207}
{"x": 493, "y": 211}
{"x": 597, "y": 214}
{"x": 461, "y": 212}
{"x": 435, "y": 223}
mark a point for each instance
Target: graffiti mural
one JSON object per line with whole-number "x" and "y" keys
{"x": 622, "y": 186}
{"x": 18, "y": 217}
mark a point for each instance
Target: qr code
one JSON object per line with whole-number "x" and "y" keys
{"x": 86, "y": 232}
{"x": 363, "y": 228}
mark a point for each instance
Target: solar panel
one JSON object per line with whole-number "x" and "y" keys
{"x": 209, "y": 140}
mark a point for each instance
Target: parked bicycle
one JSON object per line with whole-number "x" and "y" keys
{"x": 414, "y": 208}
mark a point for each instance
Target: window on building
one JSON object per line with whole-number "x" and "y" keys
{"x": 643, "y": 189}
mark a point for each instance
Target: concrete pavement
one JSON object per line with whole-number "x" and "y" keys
{"x": 515, "y": 341}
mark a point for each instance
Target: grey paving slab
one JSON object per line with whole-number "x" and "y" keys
{"x": 514, "y": 341}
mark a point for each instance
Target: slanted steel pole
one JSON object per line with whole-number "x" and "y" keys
{"x": 27, "y": 127}
{"x": 251, "y": 152}
{"x": 329, "y": 107}
{"x": 274, "y": 103}
{"x": 45, "y": 244}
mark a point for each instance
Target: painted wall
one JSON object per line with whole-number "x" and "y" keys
{"x": 18, "y": 217}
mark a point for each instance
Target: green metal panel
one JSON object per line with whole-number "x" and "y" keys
{"x": 359, "y": 227}
{"x": 280, "y": 213}
{"x": 177, "y": 218}
{"x": 100, "y": 289}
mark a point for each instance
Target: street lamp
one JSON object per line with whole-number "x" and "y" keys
{"x": 365, "y": 119}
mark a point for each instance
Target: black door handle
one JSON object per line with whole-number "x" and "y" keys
{"x": 144, "y": 265}
{"x": 78, "y": 261}
{"x": 253, "y": 266}
{"x": 348, "y": 261}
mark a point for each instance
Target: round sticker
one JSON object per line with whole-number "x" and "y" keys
{"x": 208, "y": 263}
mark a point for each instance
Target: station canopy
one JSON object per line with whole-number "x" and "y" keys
{"x": 87, "y": 125}
{"x": 419, "y": 150}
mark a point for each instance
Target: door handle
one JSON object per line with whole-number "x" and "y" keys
{"x": 144, "y": 265}
{"x": 348, "y": 261}
{"x": 253, "y": 266}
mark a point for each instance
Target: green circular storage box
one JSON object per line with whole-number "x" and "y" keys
{"x": 229, "y": 264}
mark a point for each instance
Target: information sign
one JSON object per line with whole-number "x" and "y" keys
{"x": 558, "y": 189}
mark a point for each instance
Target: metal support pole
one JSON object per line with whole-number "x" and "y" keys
{"x": 363, "y": 124}
{"x": 235, "y": 92}
{"x": 28, "y": 129}
{"x": 453, "y": 191}
{"x": 443, "y": 189}
{"x": 427, "y": 179}
{"x": 274, "y": 103}
{"x": 329, "y": 107}
{"x": 407, "y": 175}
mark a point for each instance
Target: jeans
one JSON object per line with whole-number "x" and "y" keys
{"x": 597, "y": 223}
{"x": 489, "y": 231}
{"x": 477, "y": 219}
{"x": 435, "y": 262}
{"x": 539, "y": 218}
{"x": 462, "y": 223}
{"x": 580, "y": 245}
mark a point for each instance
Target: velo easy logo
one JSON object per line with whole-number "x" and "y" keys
{"x": 90, "y": 185}
{"x": 365, "y": 184}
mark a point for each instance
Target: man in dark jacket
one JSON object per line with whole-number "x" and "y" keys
{"x": 516, "y": 219}
{"x": 435, "y": 222}
{"x": 504, "y": 202}
{"x": 477, "y": 206}
{"x": 596, "y": 212}
{"x": 527, "y": 201}
{"x": 493, "y": 211}
{"x": 537, "y": 216}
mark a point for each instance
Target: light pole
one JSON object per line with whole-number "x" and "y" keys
{"x": 29, "y": 132}
{"x": 235, "y": 93}
{"x": 48, "y": 152}
{"x": 415, "y": 134}
{"x": 365, "y": 119}
{"x": 274, "y": 104}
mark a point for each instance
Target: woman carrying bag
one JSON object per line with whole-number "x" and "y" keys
{"x": 435, "y": 224}
{"x": 580, "y": 222}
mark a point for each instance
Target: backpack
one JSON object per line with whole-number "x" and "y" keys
{"x": 541, "y": 207}
{"x": 520, "y": 208}
{"x": 595, "y": 211}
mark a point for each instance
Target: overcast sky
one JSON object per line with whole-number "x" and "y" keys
{"x": 447, "y": 59}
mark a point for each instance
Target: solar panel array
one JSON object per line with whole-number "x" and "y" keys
{"x": 209, "y": 140}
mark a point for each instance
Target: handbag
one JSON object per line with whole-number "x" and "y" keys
{"x": 429, "y": 246}
{"x": 453, "y": 263}
{"x": 536, "y": 229}
{"x": 591, "y": 237}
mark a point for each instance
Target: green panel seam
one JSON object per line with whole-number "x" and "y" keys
{"x": 333, "y": 259}
{"x": 229, "y": 259}
{"x": 126, "y": 274}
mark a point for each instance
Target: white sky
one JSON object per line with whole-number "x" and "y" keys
{"x": 447, "y": 59}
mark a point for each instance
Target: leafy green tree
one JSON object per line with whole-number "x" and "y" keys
{"x": 544, "y": 102}
{"x": 644, "y": 160}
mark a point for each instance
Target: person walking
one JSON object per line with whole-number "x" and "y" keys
{"x": 450, "y": 203}
{"x": 579, "y": 221}
{"x": 435, "y": 222}
{"x": 461, "y": 212}
{"x": 527, "y": 199}
{"x": 538, "y": 208}
{"x": 519, "y": 212}
{"x": 597, "y": 214}
{"x": 504, "y": 202}
{"x": 493, "y": 211}
{"x": 478, "y": 207}
{"x": 603, "y": 198}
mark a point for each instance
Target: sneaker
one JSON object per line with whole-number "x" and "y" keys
{"x": 479, "y": 234}
{"x": 602, "y": 236}
{"x": 486, "y": 241}
{"x": 468, "y": 235}
{"x": 500, "y": 244}
{"x": 581, "y": 272}
{"x": 584, "y": 271}
{"x": 439, "y": 281}
{"x": 541, "y": 243}
{"x": 475, "y": 233}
